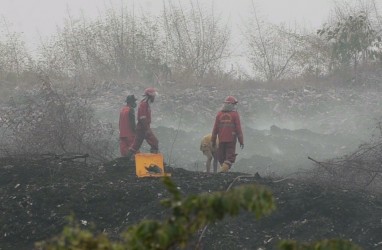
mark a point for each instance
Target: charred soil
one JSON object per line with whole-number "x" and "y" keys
{"x": 37, "y": 194}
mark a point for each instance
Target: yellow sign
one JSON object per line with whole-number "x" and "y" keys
{"x": 149, "y": 165}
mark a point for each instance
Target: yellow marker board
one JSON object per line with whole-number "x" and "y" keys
{"x": 149, "y": 165}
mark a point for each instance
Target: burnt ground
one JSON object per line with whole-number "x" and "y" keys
{"x": 36, "y": 196}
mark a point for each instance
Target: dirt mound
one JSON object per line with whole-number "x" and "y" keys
{"x": 36, "y": 195}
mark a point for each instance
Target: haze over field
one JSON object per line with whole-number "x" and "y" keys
{"x": 266, "y": 53}
{"x": 40, "y": 19}
{"x": 303, "y": 77}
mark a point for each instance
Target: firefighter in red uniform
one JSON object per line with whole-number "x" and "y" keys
{"x": 143, "y": 131}
{"x": 228, "y": 129}
{"x": 127, "y": 125}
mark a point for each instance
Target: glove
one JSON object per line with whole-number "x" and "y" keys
{"x": 241, "y": 146}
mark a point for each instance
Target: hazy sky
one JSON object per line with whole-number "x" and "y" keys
{"x": 41, "y": 17}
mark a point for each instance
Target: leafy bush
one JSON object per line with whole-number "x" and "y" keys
{"x": 321, "y": 245}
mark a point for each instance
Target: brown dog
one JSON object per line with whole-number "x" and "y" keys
{"x": 210, "y": 152}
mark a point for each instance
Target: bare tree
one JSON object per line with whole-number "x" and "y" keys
{"x": 14, "y": 58}
{"x": 312, "y": 55}
{"x": 115, "y": 45}
{"x": 271, "y": 49}
{"x": 196, "y": 39}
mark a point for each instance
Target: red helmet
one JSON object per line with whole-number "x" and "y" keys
{"x": 231, "y": 99}
{"x": 150, "y": 92}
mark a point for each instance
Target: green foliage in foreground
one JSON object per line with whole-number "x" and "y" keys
{"x": 194, "y": 212}
{"x": 321, "y": 245}
{"x": 75, "y": 238}
{"x": 189, "y": 215}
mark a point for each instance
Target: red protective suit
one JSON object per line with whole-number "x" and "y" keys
{"x": 227, "y": 128}
{"x": 144, "y": 131}
{"x": 126, "y": 129}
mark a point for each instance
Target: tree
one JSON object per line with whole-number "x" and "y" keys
{"x": 14, "y": 58}
{"x": 272, "y": 49}
{"x": 196, "y": 41}
{"x": 353, "y": 40}
{"x": 118, "y": 44}
{"x": 312, "y": 55}
{"x": 138, "y": 47}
